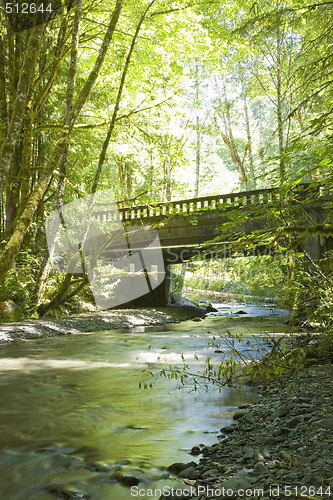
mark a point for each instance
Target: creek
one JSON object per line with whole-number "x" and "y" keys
{"x": 72, "y": 413}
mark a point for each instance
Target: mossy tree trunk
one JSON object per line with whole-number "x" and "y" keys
{"x": 27, "y": 75}
{"x": 23, "y": 222}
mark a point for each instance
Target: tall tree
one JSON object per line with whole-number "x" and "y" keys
{"x": 26, "y": 75}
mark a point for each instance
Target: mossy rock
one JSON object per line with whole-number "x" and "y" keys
{"x": 9, "y": 312}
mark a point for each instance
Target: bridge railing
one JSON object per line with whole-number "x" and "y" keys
{"x": 193, "y": 205}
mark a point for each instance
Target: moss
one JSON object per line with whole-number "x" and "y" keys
{"x": 9, "y": 312}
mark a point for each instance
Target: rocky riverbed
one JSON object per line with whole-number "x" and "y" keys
{"x": 278, "y": 448}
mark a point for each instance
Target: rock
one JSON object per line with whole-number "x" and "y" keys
{"x": 284, "y": 431}
{"x": 211, "y": 473}
{"x": 248, "y": 453}
{"x": 210, "y": 308}
{"x": 244, "y": 472}
{"x": 258, "y": 457}
{"x": 306, "y": 480}
{"x": 197, "y": 319}
{"x": 293, "y": 422}
{"x": 271, "y": 440}
{"x": 266, "y": 454}
{"x": 187, "y": 472}
{"x": 9, "y": 312}
{"x": 239, "y": 414}
{"x": 326, "y": 423}
{"x": 240, "y": 312}
{"x": 195, "y": 475}
{"x": 236, "y": 483}
{"x": 280, "y": 412}
{"x": 294, "y": 445}
{"x": 195, "y": 451}
{"x": 177, "y": 467}
{"x": 227, "y": 429}
{"x": 127, "y": 480}
{"x": 260, "y": 468}
{"x": 97, "y": 467}
{"x": 313, "y": 420}
{"x": 292, "y": 477}
{"x": 66, "y": 494}
{"x": 260, "y": 448}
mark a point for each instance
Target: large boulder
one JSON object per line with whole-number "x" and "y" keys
{"x": 9, "y": 312}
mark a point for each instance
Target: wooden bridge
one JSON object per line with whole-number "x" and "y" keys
{"x": 185, "y": 226}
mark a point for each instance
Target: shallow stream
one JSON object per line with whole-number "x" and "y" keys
{"x": 69, "y": 405}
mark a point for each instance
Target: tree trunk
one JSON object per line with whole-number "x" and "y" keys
{"x": 229, "y": 140}
{"x": 197, "y": 129}
{"x": 26, "y": 156}
{"x": 60, "y": 53}
{"x": 117, "y": 104}
{"x": 2, "y": 217}
{"x": 63, "y": 158}
{"x": 182, "y": 278}
{"x": 129, "y": 183}
{"x": 248, "y": 135}
{"x": 197, "y": 159}
{"x": 27, "y": 75}
{"x": 14, "y": 244}
{"x": 168, "y": 178}
{"x": 97, "y": 66}
{"x": 12, "y": 85}
{"x": 279, "y": 106}
{"x": 3, "y": 100}
{"x": 60, "y": 296}
{"x": 69, "y": 100}
{"x": 261, "y": 144}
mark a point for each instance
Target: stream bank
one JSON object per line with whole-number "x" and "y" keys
{"x": 281, "y": 446}
{"x": 96, "y": 321}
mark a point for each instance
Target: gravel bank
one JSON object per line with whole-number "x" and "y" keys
{"x": 93, "y": 322}
{"x": 278, "y": 448}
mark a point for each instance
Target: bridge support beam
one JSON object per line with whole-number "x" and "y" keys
{"x": 157, "y": 297}
{"x": 161, "y": 295}
{"x": 316, "y": 246}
